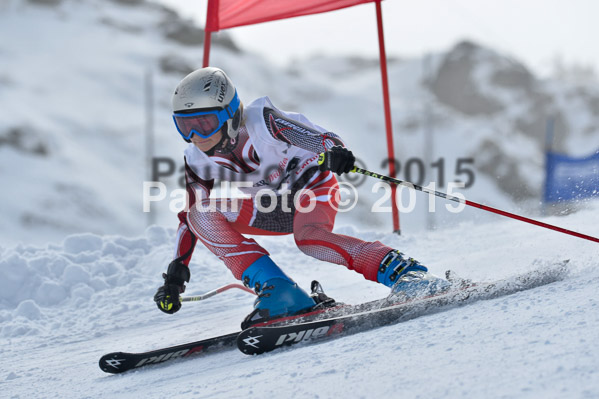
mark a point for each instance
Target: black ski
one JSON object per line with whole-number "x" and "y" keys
{"x": 118, "y": 362}
{"x": 336, "y": 320}
{"x": 260, "y": 339}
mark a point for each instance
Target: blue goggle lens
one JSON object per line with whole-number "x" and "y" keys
{"x": 206, "y": 123}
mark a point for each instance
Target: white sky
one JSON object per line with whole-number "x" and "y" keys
{"x": 533, "y": 31}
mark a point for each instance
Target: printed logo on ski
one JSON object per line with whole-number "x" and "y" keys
{"x": 114, "y": 363}
{"x": 252, "y": 341}
{"x": 167, "y": 356}
{"x": 304, "y": 335}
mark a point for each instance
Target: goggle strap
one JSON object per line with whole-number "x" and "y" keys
{"x": 234, "y": 101}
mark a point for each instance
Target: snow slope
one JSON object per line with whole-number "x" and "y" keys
{"x": 71, "y": 161}
{"x": 64, "y": 305}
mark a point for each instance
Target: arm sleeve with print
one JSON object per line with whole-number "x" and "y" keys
{"x": 197, "y": 189}
{"x": 296, "y": 130}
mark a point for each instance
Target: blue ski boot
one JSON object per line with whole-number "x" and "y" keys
{"x": 407, "y": 278}
{"x": 278, "y": 295}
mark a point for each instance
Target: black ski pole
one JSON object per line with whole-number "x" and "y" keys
{"x": 365, "y": 172}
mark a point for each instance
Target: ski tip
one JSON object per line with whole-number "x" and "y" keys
{"x": 249, "y": 342}
{"x": 113, "y": 363}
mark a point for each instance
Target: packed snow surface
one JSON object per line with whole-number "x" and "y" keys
{"x": 63, "y": 306}
{"x": 76, "y": 165}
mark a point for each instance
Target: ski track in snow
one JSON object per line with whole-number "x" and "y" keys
{"x": 63, "y": 306}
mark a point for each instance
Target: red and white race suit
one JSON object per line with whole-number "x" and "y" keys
{"x": 274, "y": 161}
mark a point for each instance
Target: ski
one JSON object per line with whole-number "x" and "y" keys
{"x": 119, "y": 362}
{"x": 359, "y": 318}
{"x": 335, "y": 320}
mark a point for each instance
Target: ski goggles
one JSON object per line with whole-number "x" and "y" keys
{"x": 205, "y": 123}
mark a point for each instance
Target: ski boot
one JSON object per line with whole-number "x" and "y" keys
{"x": 278, "y": 295}
{"x": 407, "y": 278}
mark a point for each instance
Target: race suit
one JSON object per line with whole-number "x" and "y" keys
{"x": 274, "y": 159}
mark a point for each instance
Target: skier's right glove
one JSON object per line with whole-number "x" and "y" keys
{"x": 338, "y": 160}
{"x": 167, "y": 297}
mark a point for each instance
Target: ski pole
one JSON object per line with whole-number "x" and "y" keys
{"x": 216, "y": 291}
{"x": 355, "y": 169}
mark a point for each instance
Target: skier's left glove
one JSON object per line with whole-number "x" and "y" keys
{"x": 167, "y": 297}
{"x": 338, "y": 160}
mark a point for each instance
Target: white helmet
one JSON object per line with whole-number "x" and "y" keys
{"x": 204, "y": 102}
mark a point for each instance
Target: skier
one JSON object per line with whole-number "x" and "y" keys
{"x": 276, "y": 154}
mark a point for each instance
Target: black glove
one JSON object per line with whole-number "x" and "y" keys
{"x": 338, "y": 160}
{"x": 167, "y": 297}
